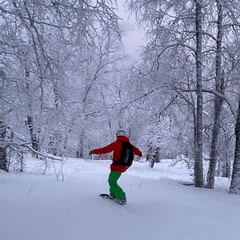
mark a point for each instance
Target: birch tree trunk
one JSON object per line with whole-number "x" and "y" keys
{"x": 227, "y": 160}
{"x": 3, "y": 151}
{"x": 33, "y": 135}
{"x": 218, "y": 102}
{"x": 198, "y": 165}
{"x": 81, "y": 146}
{"x": 235, "y": 182}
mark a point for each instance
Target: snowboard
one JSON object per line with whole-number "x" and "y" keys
{"x": 107, "y": 196}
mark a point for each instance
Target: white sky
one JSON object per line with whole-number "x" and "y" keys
{"x": 133, "y": 38}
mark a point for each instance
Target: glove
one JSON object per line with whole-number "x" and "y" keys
{"x": 140, "y": 155}
{"x": 91, "y": 152}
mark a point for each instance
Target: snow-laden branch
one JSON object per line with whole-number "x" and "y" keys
{"x": 27, "y": 145}
{"x": 214, "y": 92}
{"x": 140, "y": 97}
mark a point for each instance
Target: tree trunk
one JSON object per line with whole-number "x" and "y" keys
{"x": 3, "y": 150}
{"x": 235, "y": 182}
{"x": 80, "y": 147}
{"x": 218, "y": 102}
{"x": 226, "y": 173}
{"x": 33, "y": 135}
{"x": 198, "y": 165}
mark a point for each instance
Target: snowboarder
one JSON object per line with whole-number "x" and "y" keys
{"x": 115, "y": 191}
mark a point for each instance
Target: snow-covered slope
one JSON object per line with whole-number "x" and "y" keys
{"x": 38, "y": 207}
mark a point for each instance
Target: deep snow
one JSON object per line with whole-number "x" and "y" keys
{"x": 40, "y": 207}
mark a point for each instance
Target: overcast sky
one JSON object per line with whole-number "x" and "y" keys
{"x": 133, "y": 38}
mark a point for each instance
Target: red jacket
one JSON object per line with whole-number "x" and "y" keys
{"x": 116, "y": 147}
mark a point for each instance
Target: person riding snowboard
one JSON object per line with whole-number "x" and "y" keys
{"x": 118, "y": 166}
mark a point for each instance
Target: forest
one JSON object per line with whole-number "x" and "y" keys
{"x": 67, "y": 84}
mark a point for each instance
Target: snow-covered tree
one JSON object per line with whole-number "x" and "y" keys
{"x": 47, "y": 46}
{"x": 235, "y": 182}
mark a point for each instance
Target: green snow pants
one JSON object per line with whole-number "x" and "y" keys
{"x": 115, "y": 190}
